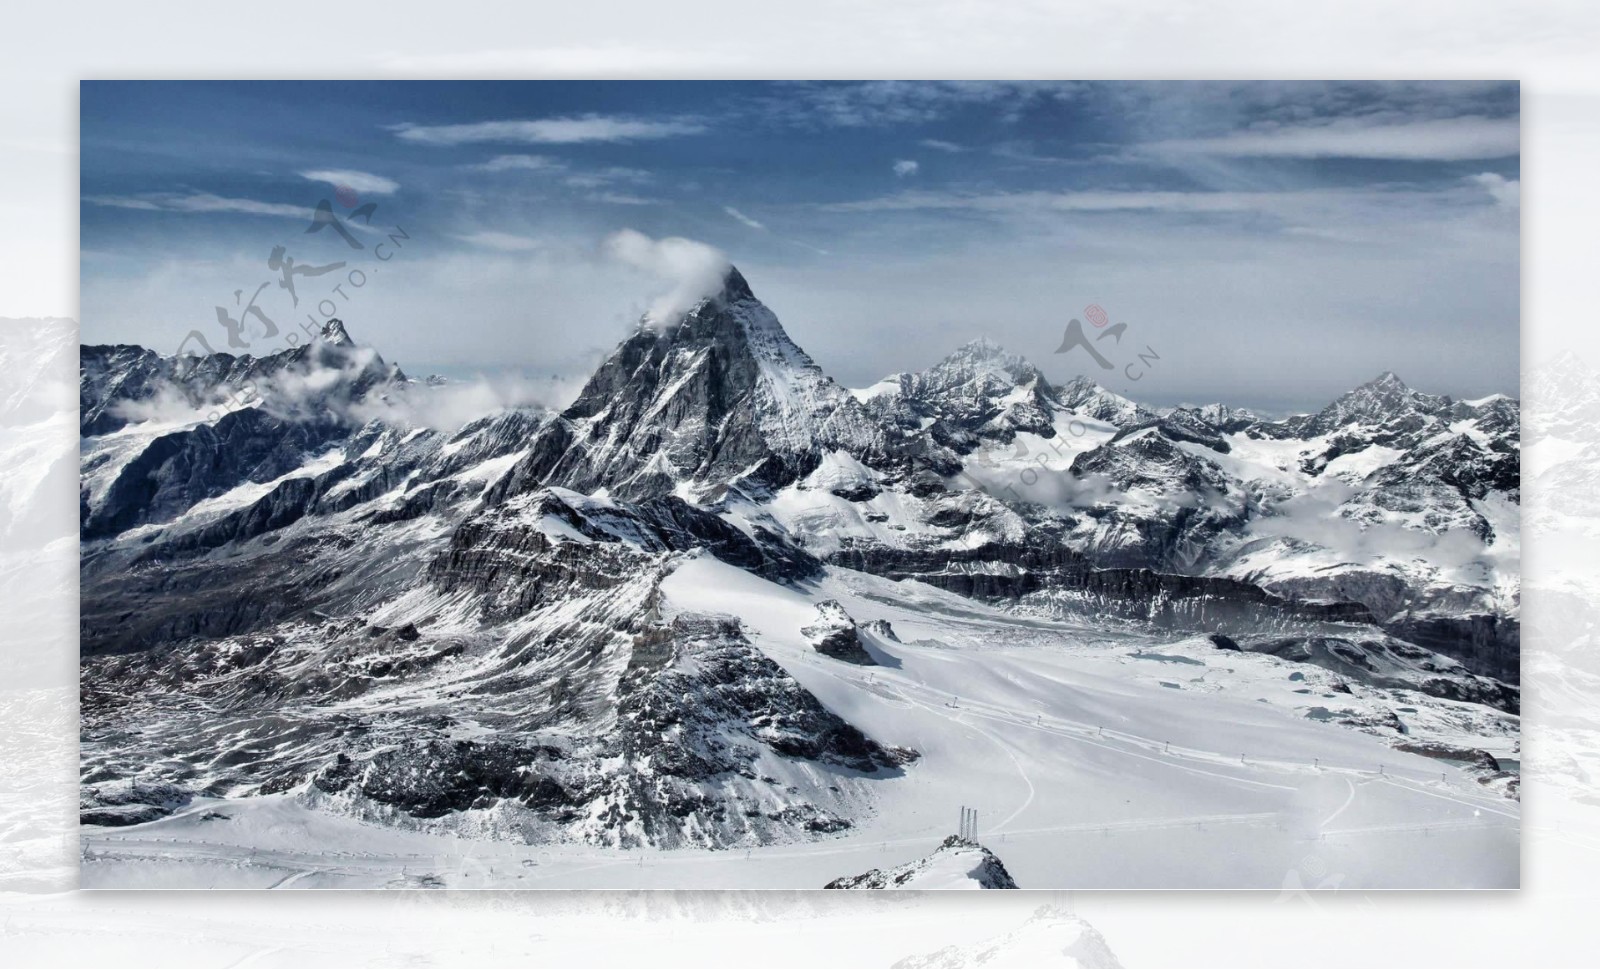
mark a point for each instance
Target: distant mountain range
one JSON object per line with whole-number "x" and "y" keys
{"x": 418, "y": 625}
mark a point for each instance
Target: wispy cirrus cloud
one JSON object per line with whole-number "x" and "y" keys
{"x": 364, "y": 183}
{"x": 549, "y": 131}
{"x": 1086, "y": 201}
{"x": 741, "y": 217}
{"x": 1422, "y": 139}
{"x": 1322, "y": 212}
{"x": 505, "y": 242}
{"x": 199, "y": 202}
{"x": 614, "y": 175}
{"x": 522, "y": 163}
{"x": 578, "y": 179}
{"x": 621, "y": 198}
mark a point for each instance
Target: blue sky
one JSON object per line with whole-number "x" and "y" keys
{"x": 1272, "y": 243}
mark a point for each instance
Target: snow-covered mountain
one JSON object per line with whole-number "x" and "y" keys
{"x": 722, "y": 398}
{"x": 629, "y": 624}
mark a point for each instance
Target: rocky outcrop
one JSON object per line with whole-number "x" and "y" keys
{"x": 129, "y": 802}
{"x": 958, "y": 863}
{"x": 833, "y": 634}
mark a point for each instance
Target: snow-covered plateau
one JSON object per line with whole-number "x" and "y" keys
{"x": 723, "y": 622}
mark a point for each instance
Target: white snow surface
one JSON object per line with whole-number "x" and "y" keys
{"x": 1094, "y": 759}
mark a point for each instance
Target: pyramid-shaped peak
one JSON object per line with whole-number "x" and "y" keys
{"x": 723, "y": 395}
{"x": 334, "y": 334}
{"x": 700, "y": 293}
{"x": 1388, "y": 379}
{"x": 734, "y": 286}
{"x": 1384, "y": 398}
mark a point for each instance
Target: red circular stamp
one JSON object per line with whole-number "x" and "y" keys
{"x": 347, "y": 197}
{"x": 1096, "y": 314}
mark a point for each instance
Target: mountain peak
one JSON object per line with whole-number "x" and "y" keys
{"x": 722, "y": 395}
{"x": 986, "y": 356}
{"x": 1382, "y": 399}
{"x": 734, "y": 286}
{"x": 981, "y": 347}
{"x": 334, "y": 334}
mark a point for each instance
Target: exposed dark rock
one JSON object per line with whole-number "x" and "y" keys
{"x": 833, "y": 634}
{"x": 1474, "y": 757}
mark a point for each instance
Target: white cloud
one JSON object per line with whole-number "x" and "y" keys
{"x": 452, "y": 405}
{"x": 1506, "y": 192}
{"x": 548, "y": 131}
{"x": 620, "y": 198}
{"x": 608, "y": 176}
{"x": 740, "y": 216}
{"x": 365, "y": 183}
{"x": 200, "y": 202}
{"x": 940, "y": 145}
{"x": 693, "y": 269}
{"x": 599, "y": 178}
{"x": 868, "y": 103}
{"x": 1058, "y": 201}
{"x": 502, "y": 241}
{"x": 905, "y": 166}
{"x": 523, "y": 163}
{"x": 1440, "y": 139}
